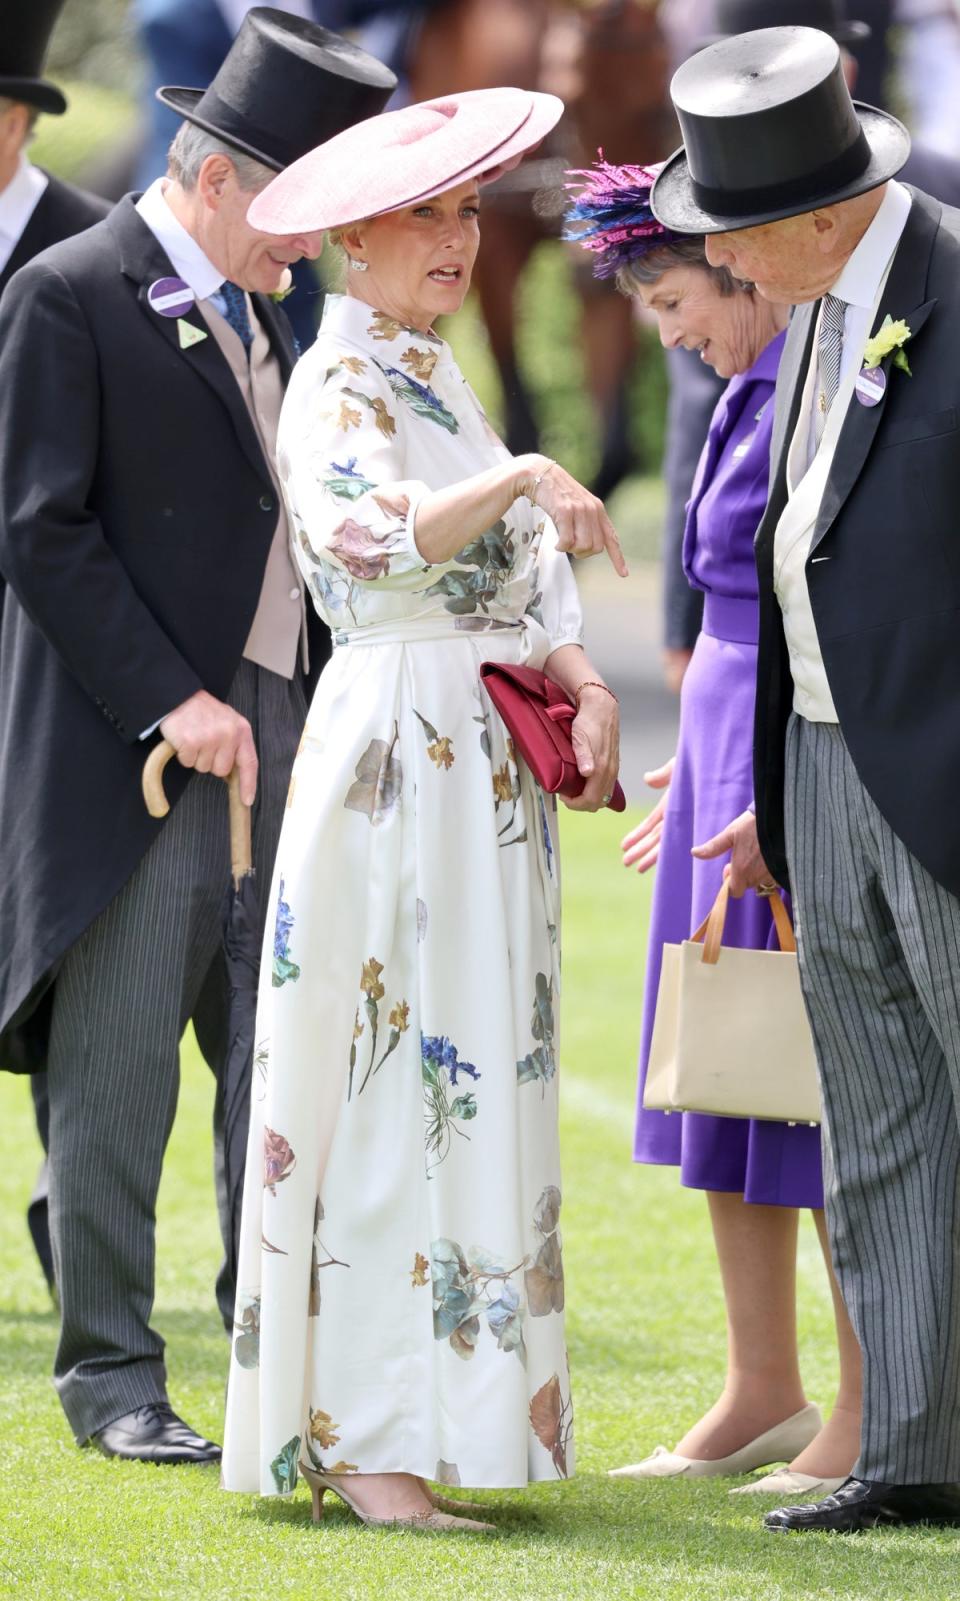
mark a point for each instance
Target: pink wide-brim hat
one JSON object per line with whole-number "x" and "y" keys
{"x": 404, "y": 156}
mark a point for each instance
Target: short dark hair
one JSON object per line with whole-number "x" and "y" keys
{"x": 686, "y": 252}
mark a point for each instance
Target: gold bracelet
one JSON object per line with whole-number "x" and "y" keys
{"x": 532, "y": 491}
{"x": 594, "y": 683}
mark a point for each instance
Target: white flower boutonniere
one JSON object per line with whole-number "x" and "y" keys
{"x": 890, "y": 336}
{"x": 284, "y": 288}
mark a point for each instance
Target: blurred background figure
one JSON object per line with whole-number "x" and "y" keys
{"x": 929, "y": 60}
{"x": 36, "y": 210}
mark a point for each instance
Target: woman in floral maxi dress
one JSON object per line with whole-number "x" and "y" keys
{"x": 401, "y": 1291}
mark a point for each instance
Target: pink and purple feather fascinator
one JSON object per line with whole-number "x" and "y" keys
{"x": 611, "y": 215}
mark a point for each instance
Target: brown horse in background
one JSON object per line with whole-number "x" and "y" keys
{"x": 608, "y": 61}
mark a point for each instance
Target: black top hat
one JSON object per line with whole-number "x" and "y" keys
{"x": 769, "y": 130}
{"x": 27, "y": 26}
{"x": 742, "y": 16}
{"x": 285, "y": 86}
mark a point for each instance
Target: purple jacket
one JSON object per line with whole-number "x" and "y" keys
{"x": 730, "y": 488}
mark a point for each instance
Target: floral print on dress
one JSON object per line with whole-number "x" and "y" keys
{"x": 284, "y": 1467}
{"x": 491, "y": 556}
{"x": 373, "y": 992}
{"x": 543, "y": 1281}
{"x": 322, "y": 1431}
{"x": 283, "y": 968}
{"x": 379, "y": 781}
{"x": 344, "y": 481}
{"x": 551, "y": 1419}
{"x": 507, "y": 790}
{"x": 540, "y": 1065}
{"x": 420, "y": 1272}
{"x": 440, "y": 1070}
{"x": 279, "y": 1159}
{"x": 439, "y": 746}
{"x": 363, "y": 553}
{"x": 246, "y": 1323}
{"x": 468, "y": 1286}
{"x": 313, "y": 1298}
{"x": 420, "y": 362}
{"x": 422, "y": 400}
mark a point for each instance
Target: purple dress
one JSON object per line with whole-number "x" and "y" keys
{"x": 769, "y": 1163}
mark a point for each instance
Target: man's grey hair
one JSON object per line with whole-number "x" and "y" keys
{"x": 192, "y": 146}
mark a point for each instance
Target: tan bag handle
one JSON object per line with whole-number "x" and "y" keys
{"x": 241, "y": 847}
{"x": 711, "y": 929}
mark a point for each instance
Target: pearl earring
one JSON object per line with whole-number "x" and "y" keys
{"x": 358, "y": 266}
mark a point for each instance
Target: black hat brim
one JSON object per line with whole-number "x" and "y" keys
{"x": 673, "y": 203}
{"x": 185, "y": 101}
{"x": 35, "y": 92}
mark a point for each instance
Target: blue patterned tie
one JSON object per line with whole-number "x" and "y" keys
{"x": 235, "y": 311}
{"x": 829, "y": 351}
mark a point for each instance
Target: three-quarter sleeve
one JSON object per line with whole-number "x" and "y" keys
{"x": 557, "y": 602}
{"x": 340, "y": 461}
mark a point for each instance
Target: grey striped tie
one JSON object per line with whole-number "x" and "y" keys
{"x": 829, "y": 352}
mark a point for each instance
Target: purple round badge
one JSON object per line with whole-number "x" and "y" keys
{"x": 871, "y": 383}
{"x": 170, "y": 297}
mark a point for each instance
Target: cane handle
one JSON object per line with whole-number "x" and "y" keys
{"x": 241, "y": 853}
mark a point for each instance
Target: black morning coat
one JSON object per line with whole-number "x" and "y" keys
{"x": 136, "y": 515}
{"x": 884, "y": 565}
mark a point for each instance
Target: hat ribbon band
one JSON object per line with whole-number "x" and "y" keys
{"x": 811, "y": 186}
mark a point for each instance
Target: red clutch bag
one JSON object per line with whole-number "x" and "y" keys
{"x": 539, "y": 714}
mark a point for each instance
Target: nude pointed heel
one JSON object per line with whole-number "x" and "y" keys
{"x": 317, "y": 1492}
{"x": 442, "y": 1522}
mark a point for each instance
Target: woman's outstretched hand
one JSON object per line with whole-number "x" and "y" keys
{"x": 641, "y": 847}
{"x": 582, "y": 524}
{"x": 596, "y": 745}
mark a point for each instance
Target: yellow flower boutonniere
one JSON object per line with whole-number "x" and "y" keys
{"x": 890, "y": 336}
{"x": 285, "y": 287}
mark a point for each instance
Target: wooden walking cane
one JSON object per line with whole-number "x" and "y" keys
{"x": 241, "y": 851}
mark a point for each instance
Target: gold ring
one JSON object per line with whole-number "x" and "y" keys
{"x": 767, "y": 889}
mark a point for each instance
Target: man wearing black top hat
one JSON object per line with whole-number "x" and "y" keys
{"x": 857, "y": 750}
{"x": 150, "y": 587}
{"x": 36, "y": 210}
{"x": 695, "y": 389}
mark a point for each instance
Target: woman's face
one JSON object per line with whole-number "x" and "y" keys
{"x": 691, "y": 311}
{"x": 420, "y": 260}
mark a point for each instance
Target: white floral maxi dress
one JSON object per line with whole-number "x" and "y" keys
{"x": 400, "y": 1288}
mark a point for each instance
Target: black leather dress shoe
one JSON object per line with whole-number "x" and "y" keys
{"x": 154, "y": 1433}
{"x": 861, "y": 1505}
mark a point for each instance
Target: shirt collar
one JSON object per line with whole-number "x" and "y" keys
{"x": 18, "y": 200}
{"x": 859, "y": 282}
{"x": 186, "y": 258}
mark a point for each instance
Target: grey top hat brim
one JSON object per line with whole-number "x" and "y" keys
{"x": 844, "y": 33}
{"x": 184, "y": 103}
{"x": 34, "y": 92}
{"x": 673, "y": 203}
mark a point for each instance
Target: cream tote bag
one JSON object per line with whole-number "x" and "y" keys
{"x": 730, "y": 1033}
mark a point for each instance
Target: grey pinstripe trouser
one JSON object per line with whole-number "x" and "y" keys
{"x": 125, "y": 993}
{"x": 879, "y": 944}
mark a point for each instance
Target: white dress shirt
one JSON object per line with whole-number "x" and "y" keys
{"x": 860, "y": 285}
{"x": 186, "y": 257}
{"x": 17, "y": 205}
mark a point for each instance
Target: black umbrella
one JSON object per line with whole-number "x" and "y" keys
{"x": 241, "y": 941}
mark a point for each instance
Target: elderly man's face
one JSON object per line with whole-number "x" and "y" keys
{"x": 789, "y": 261}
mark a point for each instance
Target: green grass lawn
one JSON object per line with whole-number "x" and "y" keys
{"x": 646, "y": 1344}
